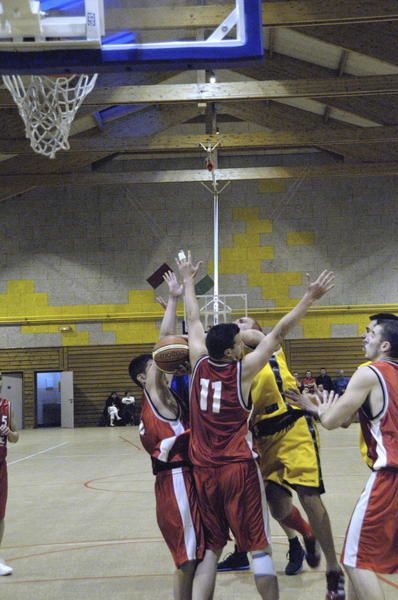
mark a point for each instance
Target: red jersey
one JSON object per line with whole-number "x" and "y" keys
{"x": 219, "y": 416}
{"x": 166, "y": 440}
{"x": 381, "y": 431}
{"x": 4, "y": 420}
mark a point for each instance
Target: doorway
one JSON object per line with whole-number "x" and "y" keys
{"x": 48, "y": 399}
{"x": 11, "y": 389}
{"x": 54, "y": 399}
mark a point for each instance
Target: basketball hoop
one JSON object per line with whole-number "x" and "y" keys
{"x": 222, "y": 308}
{"x": 48, "y": 106}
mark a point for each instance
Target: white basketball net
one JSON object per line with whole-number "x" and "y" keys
{"x": 48, "y": 106}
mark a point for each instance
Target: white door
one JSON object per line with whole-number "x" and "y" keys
{"x": 67, "y": 401}
{"x": 11, "y": 389}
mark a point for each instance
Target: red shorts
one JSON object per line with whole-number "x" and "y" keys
{"x": 178, "y": 515}
{"x": 232, "y": 497}
{"x": 3, "y": 489}
{"x": 372, "y": 536}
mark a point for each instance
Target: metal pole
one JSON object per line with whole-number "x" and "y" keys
{"x": 212, "y": 162}
{"x": 215, "y": 252}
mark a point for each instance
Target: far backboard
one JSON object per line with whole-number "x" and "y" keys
{"x": 54, "y": 36}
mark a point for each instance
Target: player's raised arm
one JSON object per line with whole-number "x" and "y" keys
{"x": 196, "y": 334}
{"x": 169, "y": 321}
{"x": 255, "y": 361}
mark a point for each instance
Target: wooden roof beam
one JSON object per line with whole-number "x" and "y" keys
{"x": 297, "y": 13}
{"x": 340, "y": 136}
{"x": 333, "y": 87}
{"x": 196, "y": 175}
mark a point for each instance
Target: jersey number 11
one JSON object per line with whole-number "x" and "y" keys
{"x": 204, "y": 395}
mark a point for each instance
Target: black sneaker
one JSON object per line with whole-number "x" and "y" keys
{"x": 296, "y": 557}
{"x": 335, "y": 585}
{"x": 312, "y": 552}
{"x": 235, "y": 561}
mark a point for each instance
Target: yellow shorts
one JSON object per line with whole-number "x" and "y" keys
{"x": 291, "y": 457}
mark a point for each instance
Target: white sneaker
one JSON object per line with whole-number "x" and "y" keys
{"x": 4, "y": 569}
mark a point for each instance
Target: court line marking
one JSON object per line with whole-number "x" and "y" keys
{"x": 90, "y": 546}
{"x": 151, "y": 575}
{"x": 14, "y": 462}
{"x": 387, "y": 581}
{"x": 282, "y": 540}
{"x": 131, "y": 443}
{"x": 87, "y": 543}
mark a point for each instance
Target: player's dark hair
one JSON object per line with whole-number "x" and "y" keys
{"x": 389, "y": 325}
{"x": 219, "y": 338}
{"x": 383, "y": 317}
{"x": 138, "y": 366}
{"x": 389, "y": 329}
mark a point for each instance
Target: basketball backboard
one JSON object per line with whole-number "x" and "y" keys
{"x": 54, "y": 36}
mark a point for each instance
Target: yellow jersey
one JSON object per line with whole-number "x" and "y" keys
{"x": 267, "y": 386}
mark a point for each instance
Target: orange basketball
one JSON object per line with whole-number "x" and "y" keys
{"x": 170, "y": 353}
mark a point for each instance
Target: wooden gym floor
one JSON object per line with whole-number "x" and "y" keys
{"x": 81, "y": 520}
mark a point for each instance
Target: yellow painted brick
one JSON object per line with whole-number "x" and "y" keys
{"x": 29, "y": 329}
{"x": 233, "y": 253}
{"x": 39, "y": 300}
{"x": 127, "y": 333}
{"x": 77, "y": 338}
{"x": 141, "y": 295}
{"x": 251, "y": 266}
{"x": 263, "y": 252}
{"x": 255, "y": 279}
{"x": 23, "y": 286}
{"x": 315, "y": 327}
{"x": 245, "y": 240}
{"x": 301, "y": 238}
{"x": 259, "y": 227}
{"x": 271, "y": 186}
{"x": 245, "y": 214}
{"x": 122, "y": 308}
{"x": 230, "y": 267}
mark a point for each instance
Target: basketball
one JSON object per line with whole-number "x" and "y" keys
{"x": 170, "y": 353}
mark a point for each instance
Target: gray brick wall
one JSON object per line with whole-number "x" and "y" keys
{"x": 92, "y": 246}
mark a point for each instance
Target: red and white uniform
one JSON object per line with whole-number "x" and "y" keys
{"x": 229, "y": 485}
{"x": 372, "y": 536}
{"x": 177, "y": 512}
{"x": 4, "y": 420}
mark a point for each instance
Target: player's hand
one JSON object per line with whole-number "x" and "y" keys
{"x": 161, "y": 301}
{"x": 4, "y": 430}
{"x": 175, "y": 288}
{"x": 305, "y": 400}
{"x": 318, "y": 288}
{"x": 187, "y": 268}
{"x": 316, "y": 404}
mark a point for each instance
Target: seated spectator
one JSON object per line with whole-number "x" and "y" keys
{"x": 128, "y": 413}
{"x": 113, "y": 406}
{"x": 308, "y": 381}
{"x": 325, "y": 380}
{"x": 298, "y": 381}
{"x": 341, "y": 383}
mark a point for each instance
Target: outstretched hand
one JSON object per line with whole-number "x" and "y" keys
{"x": 175, "y": 288}
{"x": 316, "y": 404}
{"x": 321, "y": 285}
{"x": 187, "y": 268}
{"x": 160, "y": 300}
{"x": 4, "y": 430}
